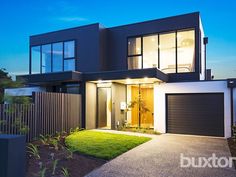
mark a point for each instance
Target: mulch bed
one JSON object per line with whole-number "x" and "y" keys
{"x": 78, "y": 166}
{"x": 232, "y": 147}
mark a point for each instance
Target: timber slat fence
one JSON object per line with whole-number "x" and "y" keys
{"x": 50, "y": 113}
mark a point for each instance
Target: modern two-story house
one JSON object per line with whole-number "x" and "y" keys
{"x": 158, "y": 66}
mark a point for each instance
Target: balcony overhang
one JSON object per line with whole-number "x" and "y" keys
{"x": 46, "y": 78}
{"x": 124, "y": 74}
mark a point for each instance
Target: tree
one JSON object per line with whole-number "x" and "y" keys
{"x": 7, "y": 82}
{"x": 140, "y": 102}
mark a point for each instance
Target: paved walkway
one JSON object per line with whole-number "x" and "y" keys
{"x": 160, "y": 157}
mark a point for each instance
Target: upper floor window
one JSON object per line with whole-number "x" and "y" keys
{"x": 55, "y": 57}
{"x": 185, "y": 49}
{"x": 167, "y": 47}
{"x": 170, "y": 52}
{"x": 46, "y": 58}
{"x": 35, "y": 59}
{"x": 134, "y": 53}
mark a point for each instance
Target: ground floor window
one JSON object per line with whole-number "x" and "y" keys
{"x": 140, "y": 102}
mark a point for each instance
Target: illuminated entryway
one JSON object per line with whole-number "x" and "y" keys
{"x": 140, "y": 103}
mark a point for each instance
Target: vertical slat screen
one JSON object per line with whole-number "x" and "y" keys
{"x": 50, "y": 112}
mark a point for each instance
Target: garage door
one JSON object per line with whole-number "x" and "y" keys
{"x": 197, "y": 114}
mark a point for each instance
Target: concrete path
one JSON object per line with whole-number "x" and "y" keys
{"x": 160, "y": 157}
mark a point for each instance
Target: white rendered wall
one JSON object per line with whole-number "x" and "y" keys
{"x": 161, "y": 89}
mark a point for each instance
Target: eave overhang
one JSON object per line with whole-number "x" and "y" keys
{"x": 37, "y": 79}
{"x": 124, "y": 74}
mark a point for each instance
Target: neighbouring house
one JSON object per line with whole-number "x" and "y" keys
{"x": 161, "y": 62}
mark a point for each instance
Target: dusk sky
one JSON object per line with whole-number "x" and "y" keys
{"x": 21, "y": 18}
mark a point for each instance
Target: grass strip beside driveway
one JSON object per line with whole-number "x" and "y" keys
{"x": 103, "y": 145}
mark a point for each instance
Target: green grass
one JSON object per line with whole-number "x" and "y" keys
{"x": 102, "y": 145}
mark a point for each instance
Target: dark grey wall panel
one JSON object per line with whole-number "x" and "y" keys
{"x": 198, "y": 114}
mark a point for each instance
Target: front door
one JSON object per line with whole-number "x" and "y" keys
{"x": 104, "y": 108}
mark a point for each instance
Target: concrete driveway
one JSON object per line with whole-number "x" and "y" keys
{"x": 160, "y": 157}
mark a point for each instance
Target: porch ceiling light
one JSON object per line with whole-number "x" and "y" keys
{"x": 128, "y": 81}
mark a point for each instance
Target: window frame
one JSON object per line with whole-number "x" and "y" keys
{"x": 63, "y": 58}
{"x": 135, "y": 55}
{"x": 159, "y": 59}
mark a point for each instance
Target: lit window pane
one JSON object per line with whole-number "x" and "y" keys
{"x": 35, "y": 60}
{"x": 150, "y": 52}
{"x": 69, "y": 65}
{"x": 134, "y": 46}
{"x": 167, "y": 53}
{"x": 57, "y": 57}
{"x": 135, "y": 62}
{"x": 46, "y": 58}
{"x": 69, "y": 49}
{"x": 186, "y": 47}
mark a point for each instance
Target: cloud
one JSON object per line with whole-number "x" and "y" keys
{"x": 72, "y": 19}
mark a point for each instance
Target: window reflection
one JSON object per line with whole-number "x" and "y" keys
{"x": 69, "y": 65}
{"x": 185, "y": 49}
{"x": 51, "y": 57}
{"x": 57, "y": 57}
{"x": 46, "y": 58}
{"x": 69, "y": 49}
{"x": 167, "y": 53}
{"x": 150, "y": 51}
{"x": 35, "y": 60}
{"x": 134, "y": 46}
{"x": 135, "y": 62}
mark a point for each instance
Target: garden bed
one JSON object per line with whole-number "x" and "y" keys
{"x": 140, "y": 130}
{"x": 51, "y": 158}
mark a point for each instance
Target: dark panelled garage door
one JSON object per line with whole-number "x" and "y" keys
{"x": 197, "y": 114}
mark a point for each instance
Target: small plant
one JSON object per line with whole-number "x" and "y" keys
{"x": 20, "y": 126}
{"x": 43, "y": 139}
{"x": 54, "y": 142}
{"x": 74, "y": 130}
{"x": 65, "y": 172}
{"x": 54, "y": 166}
{"x": 42, "y": 171}
{"x": 33, "y": 150}
{"x": 234, "y": 132}
{"x": 70, "y": 153}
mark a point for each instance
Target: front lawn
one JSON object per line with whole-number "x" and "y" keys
{"x": 102, "y": 145}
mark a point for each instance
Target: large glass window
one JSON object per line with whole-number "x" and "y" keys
{"x": 57, "y": 57}
{"x": 52, "y": 57}
{"x": 185, "y": 49}
{"x": 164, "y": 51}
{"x": 46, "y": 58}
{"x": 150, "y": 51}
{"x": 168, "y": 53}
{"x": 35, "y": 59}
{"x": 69, "y": 49}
